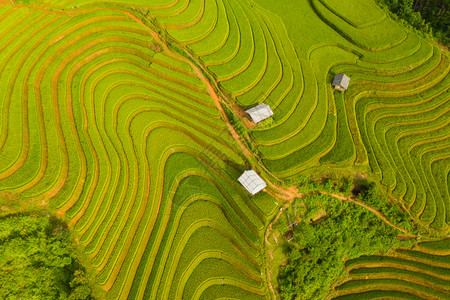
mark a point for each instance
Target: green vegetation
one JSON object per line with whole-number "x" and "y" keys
{"x": 429, "y": 16}
{"x": 37, "y": 260}
{"x": 125, "y": 119}
{"x": 313, "y": 266}
{"x": 134, "y": 150}
{"x": 368, "y": 193}
{"x": 360, "y": 14}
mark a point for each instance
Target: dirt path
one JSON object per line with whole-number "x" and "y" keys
{"x": 217, "y": 96}
{"x": 243, "y": 116}
{"x": 267, "y": 243}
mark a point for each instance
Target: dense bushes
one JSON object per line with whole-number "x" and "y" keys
{"x": 362, "y": 190}
{"x": 329, "y": 231}
{"x": 37, "y": 260}
{"x": 374, "y": 198}
{"x": 429, "y": 16}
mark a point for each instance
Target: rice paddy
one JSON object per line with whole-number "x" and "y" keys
{"x": 420, "y": 273}
{"x": 111, "y": 116}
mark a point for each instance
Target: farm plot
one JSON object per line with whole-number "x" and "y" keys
{"x": 359, "y": 14}
{"x": 404, "y": 135}
{"x": 119, "y": 135}
{"x": 262, "y": 58}
{"x": 75, "y": 4}
{"x": 416, "y": 273}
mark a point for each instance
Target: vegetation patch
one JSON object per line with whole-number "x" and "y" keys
{"x": 313, "y": 266}
{"x": 37, "y": 259}
{"x": 318, "y": 232}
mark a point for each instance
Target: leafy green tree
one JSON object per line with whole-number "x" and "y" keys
{"x": 429, "y": 16}
{"x": 37, "y": 260}
{"x": 318, "y": 249}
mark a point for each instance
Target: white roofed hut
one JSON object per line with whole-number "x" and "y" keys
{"x": 260, "y": 112}
{"x": 341, "y": 82}
{"x": 252, "y": 182}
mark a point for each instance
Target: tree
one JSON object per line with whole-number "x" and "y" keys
{"x": 37, "y": 260}
{"x": 316, "y": 253}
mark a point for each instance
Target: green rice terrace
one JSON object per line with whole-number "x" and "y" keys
{"x": 126, "y": 121}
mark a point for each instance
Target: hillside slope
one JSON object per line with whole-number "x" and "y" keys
{"x": 112, "y": 117}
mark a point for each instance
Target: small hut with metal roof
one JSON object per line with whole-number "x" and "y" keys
{"x": 341, "y": 82}
{"x": 259, "y": 112}
{"x": 252, "y": 182}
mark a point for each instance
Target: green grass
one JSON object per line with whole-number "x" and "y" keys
{"x": 399, "y": 272}
{"x": 388, "y": 259}
{"x": 437, "y": 245}
{"x": 154, "y": 4}
{"x": 122, "y": 97}
{"x": 444, "y": 259}
{"x": 228, "y": 291}
{"x": 382, "y": 35}
{"x": 343, "y": 150}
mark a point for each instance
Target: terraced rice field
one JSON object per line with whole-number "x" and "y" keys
{"x": 124, "y": 136}
{"x": 121, "y": 136}
{"x": 420, "y": 273}
{"x": 394, "y": 116}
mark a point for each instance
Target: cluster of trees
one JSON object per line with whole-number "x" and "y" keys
{"x": 331, "y": 183}
{"x": 372, "y": 196}
{"x": 328, "y": 232}
{"x": 37, "y": 260}
{"x": 363, "y": 190}
{"x": 429, "y": 16}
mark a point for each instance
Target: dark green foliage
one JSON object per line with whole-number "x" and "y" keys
{"x": 374, "y": 198}
{"x": 330, "y": 183}
{"x": 363, "y": 191}
{"x": 37, "y": 260}
{"x": 319, "y": 247}
{"x": 429, "y": 16}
